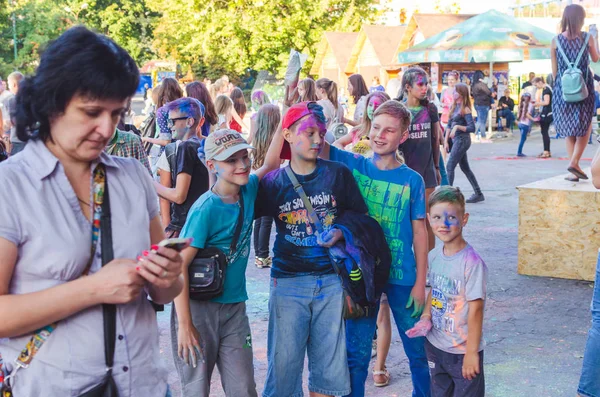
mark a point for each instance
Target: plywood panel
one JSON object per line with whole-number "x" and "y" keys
{"x": 559, "y": 229}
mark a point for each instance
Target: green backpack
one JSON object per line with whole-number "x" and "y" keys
{"x": 574, "y": 87}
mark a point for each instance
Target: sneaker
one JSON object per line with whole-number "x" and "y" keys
{"x": 476, "y": 198}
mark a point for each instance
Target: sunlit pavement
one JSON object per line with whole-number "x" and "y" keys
{"x": 535, "y": 328}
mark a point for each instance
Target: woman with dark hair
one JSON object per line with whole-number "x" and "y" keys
{"x": 573, "y": 120}
{"x": 546, "y": 117}
{"x": 458, "y": 140}
{"x": 54, "y": 265}
{"x": 357, "y": 89}
{"x": 239, "y": 105}
{"x": 482, "y": 96}
{"x": 199, "y": 91}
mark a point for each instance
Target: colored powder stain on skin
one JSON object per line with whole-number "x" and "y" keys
{"x": 421, "y": 80}
{"x": 450, "y": 219}
{"x": 311, "y": 122}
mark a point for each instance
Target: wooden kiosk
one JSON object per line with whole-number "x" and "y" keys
{"x": 559, "y": 228}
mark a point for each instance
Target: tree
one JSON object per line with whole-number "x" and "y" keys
{"x": 130, "y": 23}
{"x": 250, "y": 34}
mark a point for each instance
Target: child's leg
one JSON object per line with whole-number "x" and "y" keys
{"x": 384, "y": 336}
{"x": 430, "y": 235}
{"x": 443, "y": 170}
{"x": 398, "y": 296}
{"x": 262, "y": 236}
{"x": 524, "y": 130}
{"x": 289, "y": 324}
{"x": 442, "y": 384}
{"x": 235, "y": 352}
{"x": 327, "y": 358}
{"x": 359, "y": 337}
{"x": 195, "y": 382}
{"x": 466, "y": 169}
{"x": 589, "y": 383}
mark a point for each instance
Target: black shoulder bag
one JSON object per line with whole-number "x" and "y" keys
{"x": 207, "y": 270}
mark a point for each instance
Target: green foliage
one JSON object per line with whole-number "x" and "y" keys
{"x": 237, "y": 35}
{"x": 211, "y": 36}
{"x": 128, "y": 22}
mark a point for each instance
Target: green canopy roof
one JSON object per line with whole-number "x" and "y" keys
{"x": 487, "y": 37}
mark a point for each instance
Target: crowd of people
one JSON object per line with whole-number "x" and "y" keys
{"x": 109, "y": 222}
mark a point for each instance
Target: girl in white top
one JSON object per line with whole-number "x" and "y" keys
{"x": 224, "y": 109}
{"x": 357, "y": 89}
{"x": 327, "y": 93}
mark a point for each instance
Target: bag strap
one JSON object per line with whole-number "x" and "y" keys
{"x": 171, "y": 154}
{"x": 562, "y": 53}
{"x": 582, "y": 50}
{"x": 109, "y": 312}
{"x": 314, "y": 218}
{"x": 307, "y": 204}
{"x": 238, "y": 226}
{"x": 100, "y": 212}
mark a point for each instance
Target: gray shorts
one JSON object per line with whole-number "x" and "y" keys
{"x": 227, "y": 343}
{"x": 446, "y": 374}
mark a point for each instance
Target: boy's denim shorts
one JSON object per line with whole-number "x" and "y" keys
{"x": 305, "y": 315}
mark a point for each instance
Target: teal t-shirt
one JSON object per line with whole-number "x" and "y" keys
{"x": 395, "y": 198}
{"x": 211, "y": 223}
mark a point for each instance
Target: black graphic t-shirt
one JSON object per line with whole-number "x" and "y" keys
{"x": 331, "y": 189}
{"x": 418, "y": 148}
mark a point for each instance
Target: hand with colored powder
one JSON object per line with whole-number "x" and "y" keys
{"x": 330, "y": 238}
{"x": 421, "y": 328}
{"x": 417, "y": 298}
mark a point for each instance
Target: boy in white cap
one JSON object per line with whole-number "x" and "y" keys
{"x": 218, "y": 330}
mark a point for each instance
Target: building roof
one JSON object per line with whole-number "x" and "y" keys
{"x": 384, "y": 39}
{"x": 341, "y": 44}
{"x": 429, "y": 25}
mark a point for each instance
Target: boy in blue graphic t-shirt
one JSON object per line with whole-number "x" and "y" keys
{"x": 306, "y": 298}
{"x": 395, "y": 196}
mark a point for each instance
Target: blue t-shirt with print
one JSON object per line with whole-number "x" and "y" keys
{"x": 211, "y": 223}
{"x": 395, "y": 198}
{"x": 331, "y": 189}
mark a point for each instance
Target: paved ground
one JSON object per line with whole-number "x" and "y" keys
{"x": 535, "y": 327}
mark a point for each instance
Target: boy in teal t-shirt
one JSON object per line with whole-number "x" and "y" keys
{"x": 218, "y": 330}
{"x": 395, "y": 197}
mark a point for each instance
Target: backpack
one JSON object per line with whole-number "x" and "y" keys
{"x": 148, "y": 130}
{"x": 171, "y": 153}
{"x": 574, "y": 87}
{"x": 336, "y": 130}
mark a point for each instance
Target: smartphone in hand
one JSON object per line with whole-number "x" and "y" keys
{"x": 178, "y": 244}
{"x": 594, "y": 30}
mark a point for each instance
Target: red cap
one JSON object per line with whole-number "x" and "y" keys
{"x": 294, "y": 113}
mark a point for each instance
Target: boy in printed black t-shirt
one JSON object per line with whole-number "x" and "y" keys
{"x": 305, "y": 305}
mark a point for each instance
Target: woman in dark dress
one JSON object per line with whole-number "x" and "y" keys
{"x": 573, "y": 120}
